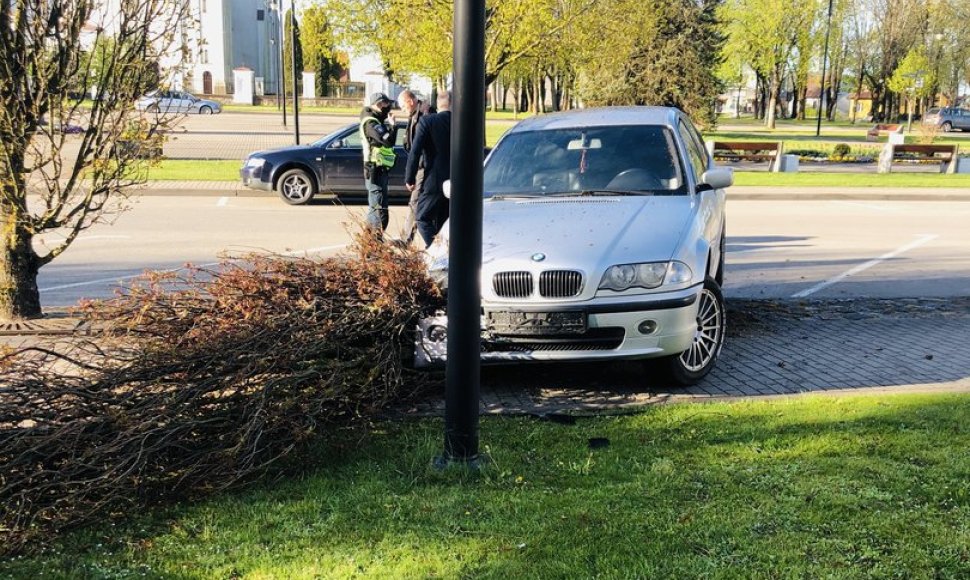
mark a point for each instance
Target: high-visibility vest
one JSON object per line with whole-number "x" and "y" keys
{"x": 378, "y": 156}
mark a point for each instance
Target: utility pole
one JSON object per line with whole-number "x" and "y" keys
{"x": 296, "y": 95}
{"x": 465, "y": 250}
{"x": 825, "y": 61}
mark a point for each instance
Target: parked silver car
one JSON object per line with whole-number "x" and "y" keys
{"x": 603, "y": 239}
{"x": 948, "y": 118}
{"x": 177, "y": 102}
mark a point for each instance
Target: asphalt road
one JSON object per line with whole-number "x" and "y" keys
{"x": 776, "y": 249}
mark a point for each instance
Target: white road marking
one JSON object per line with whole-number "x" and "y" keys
{"x": 861, "y": 267}
{"x": 869, "y": 206}
{"x": 292, "y": 253}
{"x": 223, "y": 202}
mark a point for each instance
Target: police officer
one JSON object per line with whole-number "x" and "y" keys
{"x": 378, "y": 131}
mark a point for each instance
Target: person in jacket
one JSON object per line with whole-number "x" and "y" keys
{"x": 378, "y": 131}
{"x": 415, "y": 109}
{"x": 432, "y": 143}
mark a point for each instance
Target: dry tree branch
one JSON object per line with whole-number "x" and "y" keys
{"x": 203, "y": 380}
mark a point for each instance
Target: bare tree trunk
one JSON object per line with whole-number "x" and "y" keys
{"x": 19, "y": 265}
{"x": 517, "y": 102}
{"x": 541, "y": 92}
{"x": 775, "y": 93}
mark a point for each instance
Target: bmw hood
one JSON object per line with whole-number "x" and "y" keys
{"x": 584, "y": 231}
{"x": 590, "y": 233}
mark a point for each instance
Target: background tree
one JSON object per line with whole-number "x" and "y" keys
{"x": 913, "y": 79}
{"x": 71, "y": 182}
{"x": 290, "y": 25}
{"x": 661, "y": 53}
{"x": 417, "y": 37}
{"x": 319, "y": 47}
{"x": 768, "y": 32}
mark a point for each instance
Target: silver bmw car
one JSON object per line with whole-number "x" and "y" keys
{"x": 603, "y": 239}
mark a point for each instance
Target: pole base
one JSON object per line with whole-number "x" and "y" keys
{"x": 443, "y": 462}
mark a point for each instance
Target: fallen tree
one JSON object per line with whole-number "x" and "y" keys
{"x": 198, "y": 381}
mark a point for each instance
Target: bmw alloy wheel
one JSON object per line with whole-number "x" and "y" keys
{"x": 692, "y": 365}
{"x": 708, "y": 335}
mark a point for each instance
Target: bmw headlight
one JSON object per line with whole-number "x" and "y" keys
{"x": 255, "y": 162}
{"x": 650, "y": 275}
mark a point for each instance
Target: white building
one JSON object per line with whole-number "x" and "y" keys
{"x": 233, "y": 34}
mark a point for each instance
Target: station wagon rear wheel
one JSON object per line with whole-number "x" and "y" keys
{"x": 296, "y": 187}
{"x": 692, "y": 365}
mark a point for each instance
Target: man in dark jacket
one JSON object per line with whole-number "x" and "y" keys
{"x": 378, "y": 130}
{"x": 432, "y": 142}
{"x": 416, "y": 109}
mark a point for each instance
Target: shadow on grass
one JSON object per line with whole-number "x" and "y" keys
{"x": 853, "y": 487}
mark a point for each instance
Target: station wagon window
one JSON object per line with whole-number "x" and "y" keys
{"x": 622, "y": 158}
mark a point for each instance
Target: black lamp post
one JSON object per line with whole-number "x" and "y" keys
{"x": 825, "y": 61}
{"x": 296, "y": 96}
{"x": 465, "y": 251}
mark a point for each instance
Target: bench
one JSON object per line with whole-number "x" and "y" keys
{"x": 757, "y": 151}
{"x": 874, "y": 133}
{"x": 945, "y": 155}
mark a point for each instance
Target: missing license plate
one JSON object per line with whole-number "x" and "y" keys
{"x": 536, "y": 323}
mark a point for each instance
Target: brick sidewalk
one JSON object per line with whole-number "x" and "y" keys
{"x": 772, "y": 349}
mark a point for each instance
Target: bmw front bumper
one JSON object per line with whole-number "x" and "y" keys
{"x": 626, "y": 327}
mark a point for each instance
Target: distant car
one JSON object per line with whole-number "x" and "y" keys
{"x": 176, "y": 102}
{"x": 948, "y": 118}
{"x": 66, "y": 128}
{"x": 332, "y": 165}
{"x": 603, "y": 239}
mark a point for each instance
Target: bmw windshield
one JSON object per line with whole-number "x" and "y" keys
{"x": 620, "y": 160}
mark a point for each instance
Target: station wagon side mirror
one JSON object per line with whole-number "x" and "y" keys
{"x": 338, "y": 144}
{"x": 716, "y": 178}
{"x": 446, "y": 186}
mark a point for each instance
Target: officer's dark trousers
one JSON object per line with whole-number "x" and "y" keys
{"x": 376, "y": 182}
{"x": 431, "y": 215}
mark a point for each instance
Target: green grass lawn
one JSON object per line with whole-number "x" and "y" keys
{"x": 228, "y": 170}
{"x": 795, "y": 140}
{"x": 893, "y": 180}
{"x": 195, "y": 170}
{"x": 854, "y": 487}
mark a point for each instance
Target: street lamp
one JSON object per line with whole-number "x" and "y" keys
{"x": 462, "y": 383}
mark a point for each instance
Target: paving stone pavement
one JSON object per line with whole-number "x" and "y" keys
{"x": 772, "y": 349}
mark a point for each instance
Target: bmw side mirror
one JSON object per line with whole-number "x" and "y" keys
{"x": 338, "y": 144}
{"x": 716, "y": 178}
{"x": 446, "y": 186}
